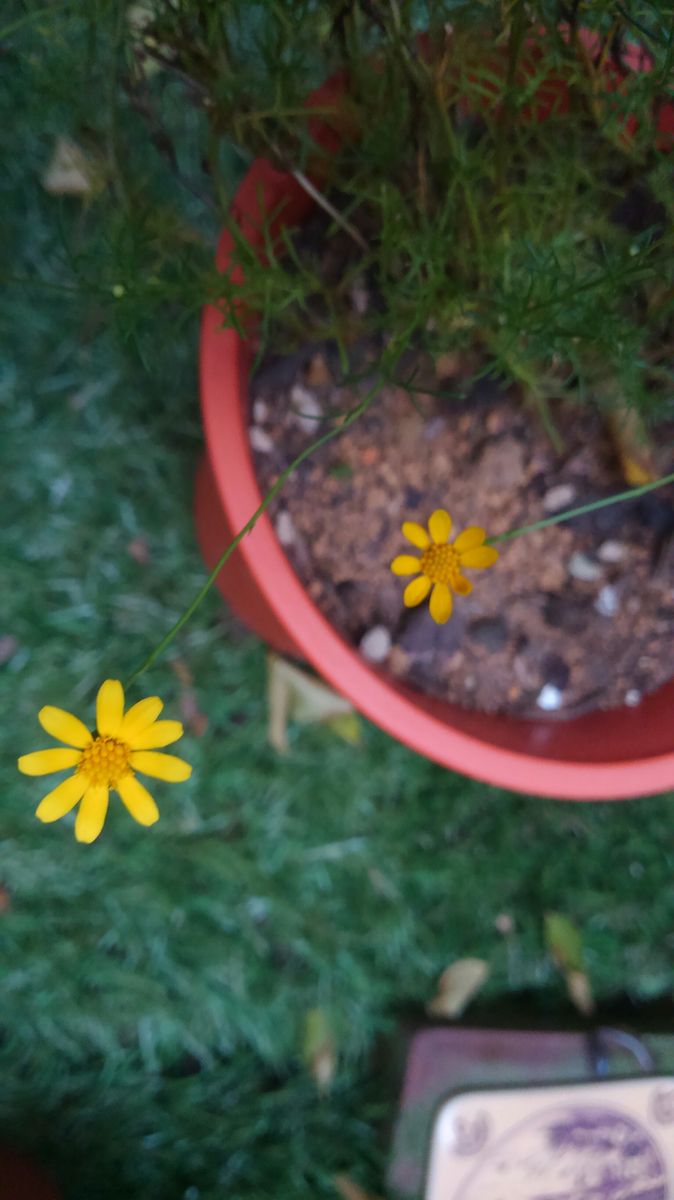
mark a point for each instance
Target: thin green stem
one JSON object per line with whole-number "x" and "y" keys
{"x": 631, "y": 494}
{"x": 229, "y": 549}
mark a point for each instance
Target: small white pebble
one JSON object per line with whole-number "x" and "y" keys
{"x": 549, "y": 698}
{"x": 375, "y": 644}
{"x": 607, "y": 603}
{"x": 559, "y": 497}
{"x": 307, "y": 410}
{"x": 260, "y": 440}
{"x": 260, "y": 411}
{"x": 582, "y": 567}
{"x": 285, "y": 528}
{"x": 632, "y": 698}
{"x": 612, "y": 552}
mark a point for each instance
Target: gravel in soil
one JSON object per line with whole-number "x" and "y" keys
{"x": 574, "y": 617}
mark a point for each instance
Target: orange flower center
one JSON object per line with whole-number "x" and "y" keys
{"x": 441, "y": 564}
{"x": 105, "y": 760}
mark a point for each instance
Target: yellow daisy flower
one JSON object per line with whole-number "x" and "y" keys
{"x": 123, "y": 744}
{"x": 441, "y": 564}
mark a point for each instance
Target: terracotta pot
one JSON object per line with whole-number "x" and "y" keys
{"x": 601, "y": 756}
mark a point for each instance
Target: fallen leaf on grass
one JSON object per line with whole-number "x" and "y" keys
{"x": 457, "y": 986}
{"x": 196, "y": 721}
{"x": 182, "y": 671}
{"x": 633, "y": 446}
{"x": 565, "y": 943}
{"x": 319, "y": 1050}
{"x": 580, "y": 992}
{"x": 8, "y": 647}
{"x": 349, "y": 1190}
{"x": 346, "y": 726}
{"x": 293, "y": 694}
{"x": 139, "y": 550}
{"x": 70, "y": 172}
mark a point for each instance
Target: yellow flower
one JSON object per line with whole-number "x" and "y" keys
{"x": 441, "y": 564}
{"x": 123, "y": 744}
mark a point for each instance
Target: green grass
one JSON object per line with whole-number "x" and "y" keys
{"x": 154, "y": 987}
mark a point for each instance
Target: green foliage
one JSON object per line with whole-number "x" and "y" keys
{"x": 543, "y": 247}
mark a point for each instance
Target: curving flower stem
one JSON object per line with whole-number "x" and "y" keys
{"x": 350, "y": 417}
{"x": 569, "y": 513}
{"x": 348, "y": 420}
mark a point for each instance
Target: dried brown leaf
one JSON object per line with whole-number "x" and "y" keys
{"x": 580, "y": 992}
{"x": 319, "y": 1049}
{"x": 70, "y": 172}
{"x": 633, "y": 446}
{"x": 565, "y": 943}
{"x": 457, "y": 986}
{"x": 196, "y": 721}
{"x": 182, "y": 671}
{"x": 139, "y": 550}
{"x": 349, "y": 1190}
{"x": 293, "y": 694}
{"x": 8, "y": 647}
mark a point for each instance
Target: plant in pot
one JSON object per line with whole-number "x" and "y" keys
{"x": 445, "y": 307}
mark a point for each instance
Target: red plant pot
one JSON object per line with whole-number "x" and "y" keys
{"x": 613, "y": 755}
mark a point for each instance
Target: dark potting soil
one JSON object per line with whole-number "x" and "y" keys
{"x": 574, "y": 617}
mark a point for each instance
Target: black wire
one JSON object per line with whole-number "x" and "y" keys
{"x": 599, "y": 1045}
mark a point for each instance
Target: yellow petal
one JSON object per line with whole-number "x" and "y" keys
{"x": 43, "y": 762}
{"x": 160, "y": 766}
{"x": 439, "y": 526}
{"x": 469, "y": 539}
{"x": 91, "y": 813}
{"x": 64, "y": 797}
{"x": 139, "y": 716}
{"x": 441, "y": 603}
{"x": 462, "y": 586}
{"x": 161, "y": 733}
{"x": 138, "y": 800}
{"x": 109, "y": 708}
{"x": 64, "y": 726}
{"x": 416, "y": 534}
{"x": 406, "y": 564}
{"x": 481, "y": 557}
{"x": 416, "y": 591}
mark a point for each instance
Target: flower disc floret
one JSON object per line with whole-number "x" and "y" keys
{"x": 440, "y": 564}
{"x": 105, "y": 761}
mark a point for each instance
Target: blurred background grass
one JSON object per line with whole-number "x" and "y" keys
{"x": 155, "y": 987}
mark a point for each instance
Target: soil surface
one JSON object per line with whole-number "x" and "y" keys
{"x": 574, "y": 617}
